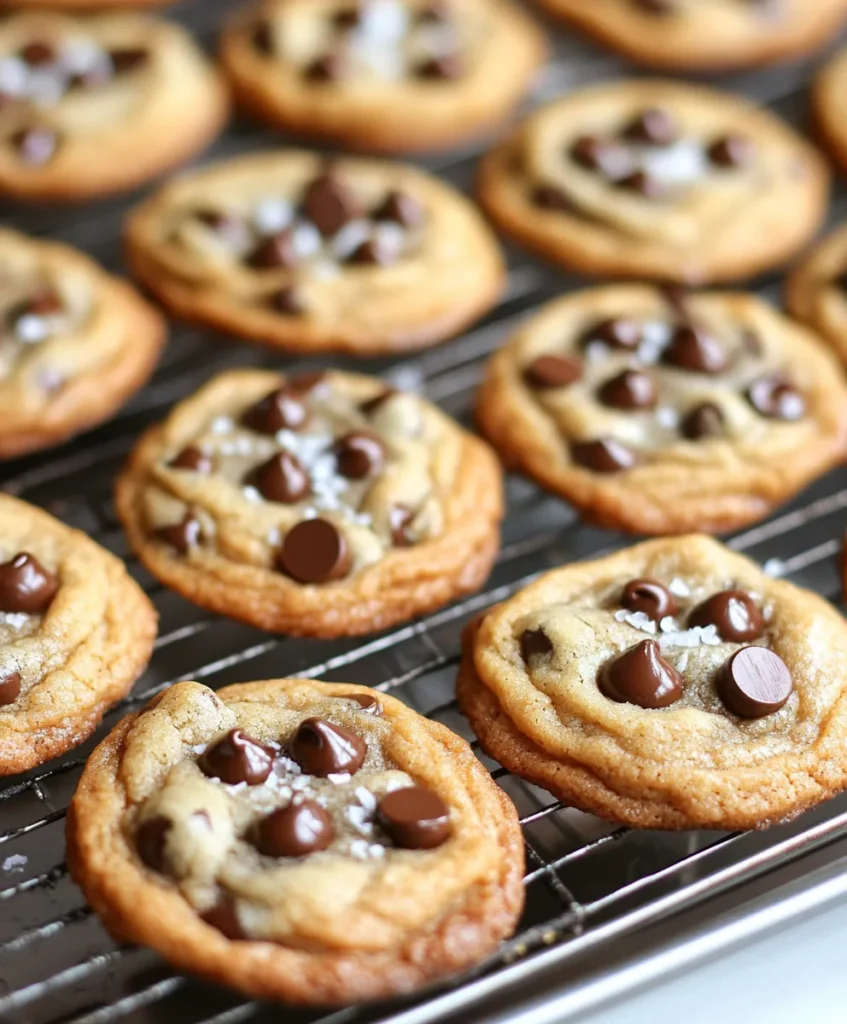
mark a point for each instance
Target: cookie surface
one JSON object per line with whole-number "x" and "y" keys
{"x": 95, "y": 105}
{"x": 314, "y": 842}
{"x": 815, "y": 290}
{"x": 671, "y": 685}
{"x": 75, "y": 633}
{"x": 323, "y": 505}
{"x": 827, "y": 100}
{"x": 657, "y": 179}
{"x": 75, "y": 343}
{"x": 705, "y": 34}
{"x": 383, "y": 75}
{"x": 287, "y": 250}
{"x": 658, "y": 411}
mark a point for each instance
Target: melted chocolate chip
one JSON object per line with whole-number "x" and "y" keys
{"x": 25, "y": 585}
{"x": 606, "y": 156}
{"x": 641, "y": 676}
{"x": 262, "y": 38}
{"x": 129, "y": 58}
{"x": 548, "y": 197}
{"x": 374, "y": 252}
{"x": 150, "y": 840}
{"x": 401, "y": 208}
{"x": 348, "y": 17}
{"x": 649, "y": 597}
{"x": 10, "y": 688}
{"x": 631, "y": 389}
{"x": 653, "y": 127}
{"x": 330, "y": 67}
{"x": 322, "y": 748}
{"x": 733, "y": 612}
{"x": 754, "y": 682}
{"x": 37, "y": 53}
{"x": 223, "y": 917}
{"x": 692, "y": 348}
{"x": 552, "y": 371}
{"x": 45, "y": 301}
{"x": 445, "y": 67}
{"x": 535, "y": 643}
{"x": 329, "y": 204}
{"x": 280, "y": 250}
{"x": 616, "y": 333}
{"x": 399, "y": 520}
{"x": 415, "y": 818}
{"x": 282, "y": 409}
{"x": 359, "y": 454}
{"x": 238, "y": 758}
{"x": 295, "y": 831}
{"x": 703, "y": 421}
{"x": 776, "y": 398}
{"x": 282, "y": 479}
{"x": 605, "y": 455}
{"x": 369, "y": 705}
{"x": 182, "y": 536}
{"x": 645, "y": 184}
{"x": 731, "y": 151}
{"x": 35, "y": 146}
{"x": 194, "y": 459}
{"x": 315, "y": 551}
{"x": 288, "y": 301}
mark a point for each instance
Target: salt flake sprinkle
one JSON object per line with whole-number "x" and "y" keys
{"x": 361, "y": 849}
{"x": 679, "y": 588}
{"x": 669, "y": 635}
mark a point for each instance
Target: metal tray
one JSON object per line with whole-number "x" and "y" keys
{"x": 606, "y": 907}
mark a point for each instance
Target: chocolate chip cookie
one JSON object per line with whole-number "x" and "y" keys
{"x": 314, "y": 842}
{"x": 816, "y": 290}
{"x": 661, "y": 411}
{"x": 383, "y": 75}
{"x": 671, "y": 685}
{"x": 657, "y": 179}
{"x": 95, "y": 105}
{"x": 294, "y": 252}
{"x": 706, "y": 35}
{"x": 319, "y": 504}
{"x": 75, "y": 633}
{"x": 75, "y": 343}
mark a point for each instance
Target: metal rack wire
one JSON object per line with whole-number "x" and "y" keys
{"x": 588, "y": 883}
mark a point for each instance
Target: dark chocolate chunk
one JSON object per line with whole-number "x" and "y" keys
{"x": 733, "y": 612}
{"x": 282, "y": 479}
{"x": 283, "y": 409}
{"x": 653, "y": 127}
{"x": 315, "y": 551}
{"x": 605, "y": 455}
{"x": 535, "y": 643}
{"x": 415, "y": 818}
{"x": 776, "y": 398}
{"x": 238, "y": 758}
{"x": 641, "y": 676}
{"x": 548, "y": 197}
{"x": 692, "y": 348}
{"x": 606, "y": 156}
{"x": 194, "y": 459}
{"x": 25, "y": 585}
{"x": 151, "y": 838}
{"x": 359, "y": 454}
{"x": 649, "y": 597}
{"x": 754, "y": 682}
{"x": 10, "y": 687}
{"x": 182, "y": 536}
{"x": 369, "y": 705}
{"x": 322, "y": 748}
{"x": 129, "y": 58}
{"x": 295, "y": 831}
{"x": 630, "y": 389}
{"x": 330, "y": 67}
{"x": 401, "y": 208}
{"x": 731, "y": 151}
{"x": 329, "y": 204}
{"x": 288, "y": 300}
{"x": 445, "y": 67}
{"x": 703, "y": 421}
{"x": 615, "y": 332}
{"x": 280, "y": 250}
{"x": 552, "y": 371}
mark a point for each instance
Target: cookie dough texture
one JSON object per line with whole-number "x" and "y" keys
{"x": 707, "y": 35}
{"x": 752, "y": 464}
{"x": 75, "y": 343}
{"x": 815, "y": 290}
{"x": 447, "y": 480}
{"x": 692, "y": 764}
{"x": 435, "y": 278}
{"x": 336, "y": 927}
{"x": 404, "y": 83}
{"x": 697, "y": 219}
{"x": 81, "y": 654}
{"x": 114, "y": 124}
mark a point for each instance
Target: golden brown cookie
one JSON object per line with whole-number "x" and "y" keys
{"x": 75, "y": 633}
{"x": 99, "y": 104}
{"x": 286, "y": 250}
{"x": 75, "y": 343}
{"x": 658, "y": 411}
{"x": 657, "y": 179}
{"x": 706, "y": 35}
{"x": 383, "y": 75}
{"x": 671, "y": 685}
{"x": 815, "y": 291}
{"x": 827, "y": 105}
{"x": 319, "y": 504}
{"x": 319, "y": 843}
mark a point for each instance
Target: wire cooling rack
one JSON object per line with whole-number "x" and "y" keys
{"x": 589, "y": 885}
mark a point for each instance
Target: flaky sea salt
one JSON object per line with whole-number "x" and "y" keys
{"x": 366, "y": 798}
{"x": 638, "y": 620}
{"x": 691, "y": 637}
{"x": 668, "y": 417}
{"x": 222, "y": 425}
{"x": 360, "y": 819}
{"x": 679, "y": 588}
{"x": 775, "y": 567}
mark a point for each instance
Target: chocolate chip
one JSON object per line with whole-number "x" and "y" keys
{"x": 731, "y": 151}
{"x": 644, "y": 184}
{"x": 535, "y": 643}
{"x": 368, "y": 704}
{"x": 733, "y": 612}
{"x": 606, "y": 156}
{"x": 44, "y": 301}
{"x": 315, "y": 551}
{"x": 552, "y": 371}
{"x": 370, "y": 405}
{"x": 288, "y": 300}
{"x": 329, "y": 204}
{"x": 280, "y": 250}
{"x": 194, "y": 459}
{"x": 375, "y": 252}
{"x": 649, "y": 597}
{"x": 641, "y": 676}
{"x": 615, "y": 332}
{"x": 415, "y": 818}
{"x": 223, "y": 917}
{"x": 445, "y": 67}
{"x": 128, "y": 58}
{"x": 401, "y": 208}
{"x": 692, "y": 348}
{"x": 238, "y": 758}
{"x": 230, "y": 228}
{"x": 630, "y": 389}
{"x": 548, "y": 197}
{"x": 776, "y": 398}
{"x": 295, "y": 831}
{"x": 25, "y": 585}
{"x": 348, "y": 17}
{"x": 306, "y": 381}
{"x": 282, "y": 479}
{"x": 399, "y": 520}
{"x": 262, "y": 38}
{"x": 10, "y": 687}
{"x": 359, "y": 454}
{"x": 754, "y": 682}
{"x": 329, "y": 67}
{"x": 322, "y": 748}
{"x": 35, "y": 146}
{"x": 37, "y": 53}
{"x": 182, "y": 536}
{"x": 653, "y": 126}
{"x": 605, "y": 455}
{"x": 151, "y": 838}
{"x": 704, "y": 420}
{"x": 282, "y": 409}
